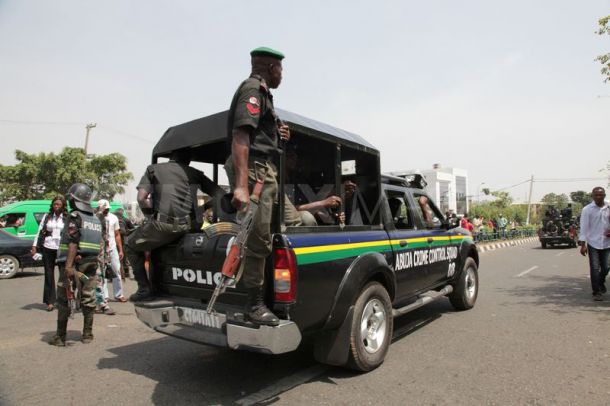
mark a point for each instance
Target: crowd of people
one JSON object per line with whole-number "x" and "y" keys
{"x": 501, "y": 227}
{"x": 113, "y": 265}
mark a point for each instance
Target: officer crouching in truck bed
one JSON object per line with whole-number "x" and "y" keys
{"x": 168, "y": 194}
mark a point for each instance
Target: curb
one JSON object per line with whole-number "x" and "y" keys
{"x": 492, "y": 246}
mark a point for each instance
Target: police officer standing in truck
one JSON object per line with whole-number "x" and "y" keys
{"x": 77, "y": 258}
{"x": 253, "y": 133}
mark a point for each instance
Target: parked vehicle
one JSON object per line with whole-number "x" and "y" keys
{"x": 15, "y": 255}
{"x": 339, "y": 284}
{"x": 22, "y": 219}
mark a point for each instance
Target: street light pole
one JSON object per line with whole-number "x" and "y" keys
{"x": 88, "y": 127}
{"x": 529, "y": 202}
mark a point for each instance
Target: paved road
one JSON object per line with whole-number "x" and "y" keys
{"x": 534, "y": 337}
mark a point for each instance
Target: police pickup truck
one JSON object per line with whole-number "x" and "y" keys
{"x": 338, "y": 285}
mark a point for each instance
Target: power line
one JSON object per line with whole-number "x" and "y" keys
{"x": 120, "y": 132}
{"x": 72, "y": 123}
{"x": 27, "y": 122}
{"x": 510, "y": 187}
{"x": 568, "y": 180}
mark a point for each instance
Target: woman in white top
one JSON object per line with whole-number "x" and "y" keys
{"x": 47, "y": 241}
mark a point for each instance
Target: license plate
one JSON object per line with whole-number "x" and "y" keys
{"x": 200, "y": 317}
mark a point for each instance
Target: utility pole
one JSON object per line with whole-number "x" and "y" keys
{"x": 88, "y": 127}
{"x": 529, "y": 201}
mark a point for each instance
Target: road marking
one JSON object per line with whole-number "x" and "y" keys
{"x": 561, "y": 253}
{"x": 283, "y": 385}
{"x": 527, "y": 271}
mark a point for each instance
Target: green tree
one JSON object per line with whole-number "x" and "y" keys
{"x": 604, "y": 59}
{"x": 45, "y": 175}
{"x": 503, "y": 199}
{"x": 558, "y": 201}
{"x": 580, "y": 196}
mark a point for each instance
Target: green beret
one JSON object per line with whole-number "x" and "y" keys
{"x": 266, "y": 51}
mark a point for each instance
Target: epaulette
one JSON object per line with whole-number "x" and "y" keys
{"x": 264, "y": 86}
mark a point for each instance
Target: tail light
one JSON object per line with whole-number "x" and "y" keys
{"x": 285, "y": 275}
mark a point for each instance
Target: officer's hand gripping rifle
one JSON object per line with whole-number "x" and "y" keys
{"x": 73, "y": 287}
{"x": 231, "y": 268}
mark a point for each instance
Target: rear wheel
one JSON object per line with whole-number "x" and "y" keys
{"x": 9, "y": 265}
{"x": 466, "y": 289}
{"x": 372, "y": 327}
{"x": 543, "y": 243}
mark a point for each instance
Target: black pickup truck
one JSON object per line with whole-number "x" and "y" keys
{"x": 340, "y": 285}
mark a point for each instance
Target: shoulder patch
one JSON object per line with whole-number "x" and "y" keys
{"x": 253, "y": 106}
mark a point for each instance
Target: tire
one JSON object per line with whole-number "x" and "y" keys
{"x": 9, "y": 265}
{"x": 466, "y": 289}
{"x": 372, "y": 327}
{"x": 543, "y": 243}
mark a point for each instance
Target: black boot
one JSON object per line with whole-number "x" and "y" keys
{"x": 144, "y": 292}
{"x": 59, "y": 339}
{"x": 87, "y": 336}
{"x": 257, "y": 312}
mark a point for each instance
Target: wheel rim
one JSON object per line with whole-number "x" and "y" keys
{"x": 470, "y": 286}
{"x": 7, "y": 266}
{"x": 373, "y": 326}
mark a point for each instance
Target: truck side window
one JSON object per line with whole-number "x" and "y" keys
{"x": 428, "y": 212}
{"x": 399, "y": 212}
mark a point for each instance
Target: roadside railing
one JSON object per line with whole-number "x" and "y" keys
{"x": 485, "y": 236}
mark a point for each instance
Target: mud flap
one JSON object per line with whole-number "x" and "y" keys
{"x": 332, "y": 347}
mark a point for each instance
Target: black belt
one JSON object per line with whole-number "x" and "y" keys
{"x": 163, "y": 218}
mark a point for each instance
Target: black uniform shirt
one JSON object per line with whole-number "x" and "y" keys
{"x": 172, "y": 186}
{"x": 252, "y": 106}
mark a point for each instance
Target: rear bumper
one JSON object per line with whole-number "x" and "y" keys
{"x": 556, "y": 239}
{"x": 217, "y": 329}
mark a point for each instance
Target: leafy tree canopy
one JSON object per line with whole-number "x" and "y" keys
{"x": 580, "y": 196}
{"x": 45, "y": 175}
{"x": 604, "y": 59}
{"x": 503, "y": 199}
{"x": 558, "y": 201}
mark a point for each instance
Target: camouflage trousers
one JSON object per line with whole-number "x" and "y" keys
{"x": 86, "y": 294}
{"x": 259, "y": 240}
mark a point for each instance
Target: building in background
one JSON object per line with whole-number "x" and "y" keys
{"x": 448, "y": 187}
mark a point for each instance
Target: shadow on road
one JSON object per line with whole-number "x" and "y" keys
{"x": 35, "y": 306}
{"x": 561, "y": 294}
{"x": 555, "y": 247}
{"x": 26, "y": 274}
{"x": 192, "y": 373}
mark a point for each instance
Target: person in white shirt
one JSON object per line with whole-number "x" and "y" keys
{"x": 46, "y": 244}
{"x": 114, "y": 249}
{"x": 594, "y": 240}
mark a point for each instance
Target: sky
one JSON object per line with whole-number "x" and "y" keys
{"x": 504, "y": 89}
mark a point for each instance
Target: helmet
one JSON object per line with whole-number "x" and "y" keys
{"x": 79, "y": 197}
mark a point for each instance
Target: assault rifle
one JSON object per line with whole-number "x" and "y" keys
{"x": 73, "y": 290}
{"x": 233, "y": 265}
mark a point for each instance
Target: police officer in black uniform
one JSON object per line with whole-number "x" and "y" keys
{"x": 77, "y": 259}
{"x": 253, "y": 133}
{"x": 167, "y": 193}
